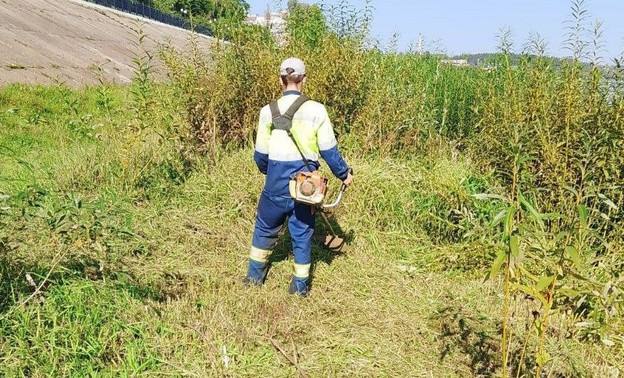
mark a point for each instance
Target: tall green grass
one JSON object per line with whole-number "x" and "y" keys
{"x": 382, "y": 102}
{"x": 550, "y": 135}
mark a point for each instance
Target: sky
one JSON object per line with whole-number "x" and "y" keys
{"x": 454, "y": 27}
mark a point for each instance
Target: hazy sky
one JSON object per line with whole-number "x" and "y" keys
{"x": 456, "y": 26}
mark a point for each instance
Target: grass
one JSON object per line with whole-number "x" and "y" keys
{"x": 15, "y": 66}
{"x": 144, "y": 255}
{"x": 126, "y": 216}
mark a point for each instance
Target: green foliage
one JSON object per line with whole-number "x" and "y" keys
{"x": 213, "y": 9}
{"x": 550, "y": 136}
{"x": 550, "y": 132}
{"x": 142, "y": 81}
{"x": 306, "y": 24}
{"x": 82, "y": 328}
{"x": 134, "y": 271}
{"x": 393, "y": 102}
{"x": 151, "y": 253}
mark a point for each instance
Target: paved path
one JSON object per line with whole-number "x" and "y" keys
{"x": 69, "y": 41}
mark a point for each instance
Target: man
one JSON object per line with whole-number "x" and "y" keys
{"x": 277, "y": 156}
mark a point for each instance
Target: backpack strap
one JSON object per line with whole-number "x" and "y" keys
{"x": 275, "y": 112}
{"x": 289, "y": 115}
{"x": 284, "y": 122}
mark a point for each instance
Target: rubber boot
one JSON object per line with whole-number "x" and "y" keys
{"x": 256, "y": 274}
{"x": 299, "y": 286}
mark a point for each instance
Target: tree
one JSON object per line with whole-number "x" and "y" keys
{"x": 213, "y": 9}
{"x": 306, "y": 23}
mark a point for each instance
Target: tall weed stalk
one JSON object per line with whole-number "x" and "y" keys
{"x": 563, "y": 174}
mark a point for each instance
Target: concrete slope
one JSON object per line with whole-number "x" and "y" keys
{"x": 69, "y": 41}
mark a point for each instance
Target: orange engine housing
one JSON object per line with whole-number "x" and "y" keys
{"x": 308, "y": 187}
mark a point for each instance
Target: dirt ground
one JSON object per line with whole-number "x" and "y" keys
{"x": 75, "y": 42}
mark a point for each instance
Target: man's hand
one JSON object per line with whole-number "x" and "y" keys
{"x": 348, "y": 180}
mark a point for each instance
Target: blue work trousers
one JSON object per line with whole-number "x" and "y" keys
{"x": 272, "y": 212}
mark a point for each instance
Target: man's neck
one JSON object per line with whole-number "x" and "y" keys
{"x": 293, "y": 88}
{"x": 292, "y": 92}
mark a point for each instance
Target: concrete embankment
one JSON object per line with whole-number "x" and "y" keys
{"x": 75, "y": 42}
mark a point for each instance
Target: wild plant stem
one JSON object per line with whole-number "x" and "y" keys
{"x": 546, "y": 317}
{"x": 506, "y": 314}
{"x": 524, "y": 346}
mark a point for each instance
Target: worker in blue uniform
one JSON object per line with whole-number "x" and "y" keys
{"x": 277, "y": 156}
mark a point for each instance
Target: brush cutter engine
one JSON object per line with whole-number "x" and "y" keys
{"x": 309, "y": 188}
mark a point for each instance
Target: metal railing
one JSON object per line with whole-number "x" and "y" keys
{"x": 153, "y": 14}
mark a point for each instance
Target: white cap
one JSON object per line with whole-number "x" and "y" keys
{"x": 295, "y": 64}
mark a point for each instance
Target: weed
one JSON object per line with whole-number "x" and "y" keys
{"x": 16, "y": 66}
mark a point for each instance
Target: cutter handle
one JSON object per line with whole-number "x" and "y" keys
{"x": 343, "y": 187}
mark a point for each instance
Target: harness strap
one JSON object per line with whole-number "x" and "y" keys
{"x": 290, "y": 113}
{"x": 284, "y": 122}
{"x": 275, "y": 112}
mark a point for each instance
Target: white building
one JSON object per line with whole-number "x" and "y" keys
{"x": 274, "y": 21}
{"x": 456, "y": 62}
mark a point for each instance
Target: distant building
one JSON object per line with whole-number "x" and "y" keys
{"x": 456, "y": 62}
{"x": 274, "y": 21}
